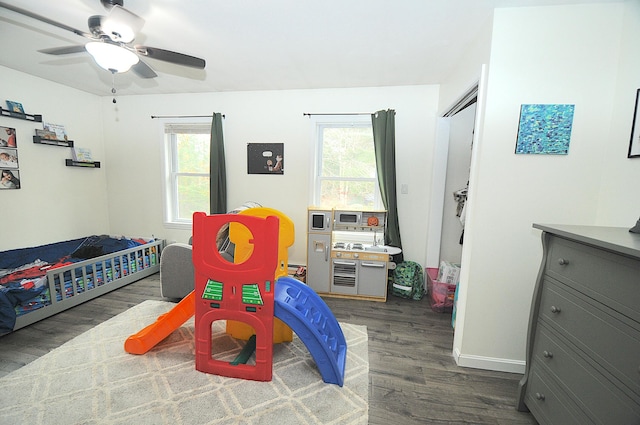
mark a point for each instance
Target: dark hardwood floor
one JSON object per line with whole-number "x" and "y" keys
{"x": 413, "y": 377}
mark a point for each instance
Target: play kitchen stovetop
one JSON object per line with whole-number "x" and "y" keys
{"x": 346, "y": 246}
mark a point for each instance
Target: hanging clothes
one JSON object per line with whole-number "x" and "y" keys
{"x": 460, "y": 196}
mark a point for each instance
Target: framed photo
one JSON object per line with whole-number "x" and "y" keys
{"x": 8, "y": 137}
{"x": 8, "y": 158}
{"x": 545, "y": 129}
{"x": 15, "y": 106}
{"x": 265, "y": 158}
{"x": 9, "y": 179}
{"x": 634, "y": 143}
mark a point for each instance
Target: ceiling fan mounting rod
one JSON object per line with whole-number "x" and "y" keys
{"x": 110, "y": 3}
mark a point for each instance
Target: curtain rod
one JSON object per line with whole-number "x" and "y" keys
{"x": 184, "y": 116}
{"x": 307, "y": 114}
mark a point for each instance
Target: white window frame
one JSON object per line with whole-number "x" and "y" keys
{"x": 170, "y": 188}
{"x": 318, "y": 123}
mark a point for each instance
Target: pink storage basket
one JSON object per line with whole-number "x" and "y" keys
{"x": 441, "y": 294}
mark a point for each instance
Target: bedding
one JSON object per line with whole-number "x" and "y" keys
{"x": 62, "y": 274}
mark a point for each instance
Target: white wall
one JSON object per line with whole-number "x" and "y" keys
{"x": 466, "y": 73}
{"x": 55, "y": 202}
{"x": 619, "y": 204}
{"x": 134, "y": 153}
{"x": 560, "y": 54}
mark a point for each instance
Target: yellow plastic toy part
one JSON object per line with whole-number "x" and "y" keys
{"x": 242, "y": 239}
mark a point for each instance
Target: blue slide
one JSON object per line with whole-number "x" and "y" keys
{"x": 310, "y": 318}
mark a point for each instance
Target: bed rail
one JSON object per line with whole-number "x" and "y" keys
{"x": 79, "y": 282}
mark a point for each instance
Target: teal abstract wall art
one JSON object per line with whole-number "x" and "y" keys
{"x": 545, "y": 129}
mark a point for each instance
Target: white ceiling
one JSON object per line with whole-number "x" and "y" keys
{"x": 260, "y": 44}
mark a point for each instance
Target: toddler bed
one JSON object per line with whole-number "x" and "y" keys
{"x": 38, "y": 282}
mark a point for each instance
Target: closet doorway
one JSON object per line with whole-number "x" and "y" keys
{"x": 461, "y": 126}
{"x": 453, "y": 156}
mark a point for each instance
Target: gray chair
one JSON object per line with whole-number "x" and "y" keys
{"x": 176, "y": 271}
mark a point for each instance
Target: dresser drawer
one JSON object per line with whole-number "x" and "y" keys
{"x": 593, "y": 392}
{"x": 610, "y": 278}
{"x": 549, "y": 404}
{"x": 613, "y": 344}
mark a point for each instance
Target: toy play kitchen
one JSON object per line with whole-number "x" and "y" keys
{"x": 346, "y": 255}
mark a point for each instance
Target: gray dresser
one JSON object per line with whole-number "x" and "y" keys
{"x": 583, "y": 343}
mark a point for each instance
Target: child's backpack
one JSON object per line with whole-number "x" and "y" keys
{"x": 408, "y": 280}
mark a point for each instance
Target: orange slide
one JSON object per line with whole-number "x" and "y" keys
{"x": 148, "y": 337}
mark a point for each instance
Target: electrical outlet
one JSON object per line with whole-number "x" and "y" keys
{"x": 404, "y": 188}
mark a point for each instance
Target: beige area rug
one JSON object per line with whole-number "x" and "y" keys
{"x": 92, "y": 380}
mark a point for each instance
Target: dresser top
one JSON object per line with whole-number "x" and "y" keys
{"x": 616, "y": 239}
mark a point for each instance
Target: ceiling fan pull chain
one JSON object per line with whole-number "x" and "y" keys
{"x": 113, "y": 85}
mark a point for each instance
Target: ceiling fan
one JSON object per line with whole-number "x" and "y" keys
{"x": 111, "y": 39}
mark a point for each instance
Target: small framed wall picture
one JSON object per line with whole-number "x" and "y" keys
{"x": 634, "y": 143}
{"x": 8, "y": 158}
{"x": 9, "y": 179}
{"x": 545, "y": 129}
{"x": 8, "y": 137}
{"x": 265, "y": 158}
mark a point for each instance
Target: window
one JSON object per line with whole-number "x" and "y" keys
{"x": 345, "y": 169}
{"x": 187, "y": 149}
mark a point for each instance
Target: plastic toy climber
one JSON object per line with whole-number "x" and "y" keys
{"x": 247, "y": 292}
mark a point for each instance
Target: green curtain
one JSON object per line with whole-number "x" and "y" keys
{"x": 384, "y": 141}
{"x": 217, "y": 169}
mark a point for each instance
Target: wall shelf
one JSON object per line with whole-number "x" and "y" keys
{"x": 62, "y": 143}
{"x": 85, "y": 164}
{"x": 26, "y": 117}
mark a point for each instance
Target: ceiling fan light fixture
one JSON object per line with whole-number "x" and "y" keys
{"x": 112, "y": 57}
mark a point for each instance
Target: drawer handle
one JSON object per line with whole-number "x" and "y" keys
{"x": 547, "y": 354}
{"x": 563, "y": 262}
{"x": 540, "y": 397}
{"x": 555, "y": 310}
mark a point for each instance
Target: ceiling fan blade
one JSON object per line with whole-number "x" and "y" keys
{"x": 143, "y": 70}
{"x": 44, "y": 19}
{"x": 63, "y": 50}
{"x": 125, "y": 17}
{"x": 172, "y": 57}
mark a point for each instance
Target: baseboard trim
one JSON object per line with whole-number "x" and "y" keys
{"x": 489, "y": 363}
